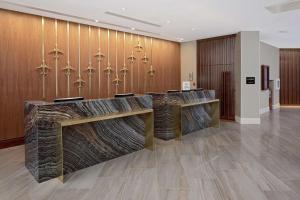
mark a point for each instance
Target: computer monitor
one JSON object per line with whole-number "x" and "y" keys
{"x": 68, "y": 99}
{"x": 124, "y": 95}
{"x": 173, "y": 91}
{"x": 154, "y": 93}
{"x": 198, "y": 89}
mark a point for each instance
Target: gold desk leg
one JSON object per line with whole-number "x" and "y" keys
{"x": 177, "y": 113}
{"x": 149, "y": 138}
{"x": 149, "y": 131}
{"x": 180, "y": 124}
{"x": 215, "y": 113}
{"x": 59, "y": 155}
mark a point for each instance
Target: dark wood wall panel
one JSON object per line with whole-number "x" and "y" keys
{"x": 20, "y": 54}
{"x": 290, "y": 76}
{"x": 215, "y": 65}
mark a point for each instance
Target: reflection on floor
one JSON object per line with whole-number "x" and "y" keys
{"x": 236, "y": 162}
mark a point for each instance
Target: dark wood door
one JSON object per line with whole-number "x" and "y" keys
{"x": 227, "y": 96}
{"x": 215, "y": 70}
{"x": 290, "y": 76}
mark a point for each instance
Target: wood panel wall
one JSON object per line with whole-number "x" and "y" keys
{"x": 215, "y": 70}
{"x": 290, "y": 76}
{"x": 20, "y": 54}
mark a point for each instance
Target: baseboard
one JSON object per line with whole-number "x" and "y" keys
{"x": 276, "y": 106}
{"x": 11, "y": 142}
{"x": 247, "y": 120}
{"x": 264, "y": 110}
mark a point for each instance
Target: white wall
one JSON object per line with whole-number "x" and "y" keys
{"x": 189, "y": 62}
{"x": 248, "y": 65}
{"x": 237, "y": 77}
{"x": 264, "y": 101}
{"x": 269, "y": 55}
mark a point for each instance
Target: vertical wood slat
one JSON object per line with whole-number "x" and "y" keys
{"x": 20, "y": 54}
{"x": 290, "y": 76}
{"x": 215, "y": 65}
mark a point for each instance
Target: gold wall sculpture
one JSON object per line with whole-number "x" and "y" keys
{"x": 90, "y": 69}
{"x": 131, "y": 60}
{"x": 108, "y": 70}
{"x": 124, "y": 69}
{"x": 23, "y": 47}
{"x": 151, "y": 70}
{"x": 56, "y": 53}
{"x": 138, "y": 49}
{"x": 100, "y": 56}
{"x": 116, "y": 81}
{"x": 145, "y": 61}
{"x": 68, "y": 69}
{"x": 43, "y": 68}
{"x": 79, "y": 82}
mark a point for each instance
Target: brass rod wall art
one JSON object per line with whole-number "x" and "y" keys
{"x": 131, "y": 60}
{"x": 100, "y": 56}
{"x": 79, "y": 82}
{"x": 138, "y": 48}
{"x": 108, "y": 70}
{"x": 124, "y": 70}
{"x": 68, "y": 69}
{"x": 116, "y": 81}
{"x": 90, "y": 69}
{"x": 151, "y": 71}
{"x": 134, "y": 50}
{"x": 145, "y": 60}
{"x": 43, "y": 68}
{"x": 56, "y": 52}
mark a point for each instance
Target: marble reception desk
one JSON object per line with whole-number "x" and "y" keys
{"x": 61, "y": 138}
{"x": 180, "y": 113}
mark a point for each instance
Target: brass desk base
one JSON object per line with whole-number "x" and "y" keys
{"x": 214, "y": 113}
{"x": 149, "y": 132}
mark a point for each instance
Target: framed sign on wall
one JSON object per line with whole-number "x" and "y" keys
{"x": 186, "y": 85}
{"x": 265, "y": 77}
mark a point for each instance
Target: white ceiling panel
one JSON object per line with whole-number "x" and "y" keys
{"x": 178, "y": 19}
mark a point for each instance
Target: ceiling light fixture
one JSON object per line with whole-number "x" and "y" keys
{"x": 132, "y": 19}
{"x": 168, "y": 22}
{"x": 75, "y": 18}
{"x": 282, "y": 31}
{"x": 284, "y": 7}
{"x": 66, "y": 15}
{"x": 123, "y": 9}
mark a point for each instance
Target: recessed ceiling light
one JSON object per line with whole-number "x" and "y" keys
{"x": 180, "y": 39}
{"x": 283, "y": 31}
{"x": 168, "y": 21}
{"x": 96, "y": 20}
{"x": 123, "y": 9}
{"x": 286, "y": 6}
{"x": 132, "y": 28}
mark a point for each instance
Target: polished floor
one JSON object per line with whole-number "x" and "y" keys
{"x": 235, "y": 162}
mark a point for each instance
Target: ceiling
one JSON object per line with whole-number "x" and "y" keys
{"x": 175, "y": 20}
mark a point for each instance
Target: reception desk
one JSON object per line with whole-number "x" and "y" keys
{"x": 179, "y": 113}
{"x": 61, "y": 138}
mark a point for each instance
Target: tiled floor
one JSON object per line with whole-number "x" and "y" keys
{"x": 236, "y": 162}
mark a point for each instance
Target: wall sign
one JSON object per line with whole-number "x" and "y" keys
{"x": 278, "y": 84}
{"x": 250, "y": 80}
{"x": 186, "y": 85}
